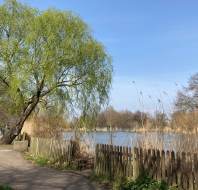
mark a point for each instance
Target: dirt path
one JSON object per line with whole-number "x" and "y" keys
{"x": 22, "y": 175}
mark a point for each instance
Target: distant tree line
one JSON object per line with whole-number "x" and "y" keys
{"x": 130, "y": 120}
{"x": 184, "y": 116}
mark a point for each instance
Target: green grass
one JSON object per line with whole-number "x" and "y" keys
{"x": 144, "y": 182}
{"x": 39, "y": 160}
{"x": 43, "y": 161}
{"x": 5, "y": 187}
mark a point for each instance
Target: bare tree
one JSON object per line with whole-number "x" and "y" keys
{"x": 187, "y": 99}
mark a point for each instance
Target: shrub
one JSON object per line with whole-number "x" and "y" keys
{"x": 39, "y": 160}
{"x": 144, "y": 182}
{"x": 5, "y": 187}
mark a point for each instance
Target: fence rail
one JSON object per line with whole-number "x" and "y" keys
{"x": 57, "y": 151}
{"x": 178, "y": 169}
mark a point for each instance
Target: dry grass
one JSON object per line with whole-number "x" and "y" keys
{"x": 180, "y": 142}
{"x": 187, "y": 122}
{"x": 150, "y": 141}
{"x": 48, "y": 127}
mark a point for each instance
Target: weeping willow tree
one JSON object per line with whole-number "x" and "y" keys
{"x": 49, "y": 56}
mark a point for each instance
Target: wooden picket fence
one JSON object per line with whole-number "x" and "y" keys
{"x": 57, "y": 151}
{"x": 177, "y": 169}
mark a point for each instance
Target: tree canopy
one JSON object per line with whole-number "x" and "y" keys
{"x": 187, "y": 99}
{"x": 50, "y": 56}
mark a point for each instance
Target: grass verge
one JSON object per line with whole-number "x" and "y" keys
{"x": 5, "y": 187}
{"x": 42, "y": 161}
{"x": 144, "y": 182}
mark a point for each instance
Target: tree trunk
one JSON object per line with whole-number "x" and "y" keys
{"x": 10, "y": 135}
{"x": 14, "y": 131}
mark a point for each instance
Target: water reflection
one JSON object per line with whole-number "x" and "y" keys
{"x": 167, "y": 141}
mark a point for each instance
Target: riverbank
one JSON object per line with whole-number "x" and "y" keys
{"x": 139, "y": 130}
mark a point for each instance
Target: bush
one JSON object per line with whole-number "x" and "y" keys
{"x": 5, "y": 187}
{"x": 39, "y": 160}
{"x": 145, "y": 183}
{"x": 43, "y": 161}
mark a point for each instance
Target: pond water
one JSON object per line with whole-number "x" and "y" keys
{"x": 167, "y": 141}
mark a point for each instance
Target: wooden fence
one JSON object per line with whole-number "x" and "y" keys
{"x": 57, "y": 151}
{"x": 177, "y": 169}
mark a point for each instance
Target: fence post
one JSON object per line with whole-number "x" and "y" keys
{"x": 159, "y": 166}
{"x": 111, "y": 161}
{"x": 195, "y": 171}
{"x": 190, "y": 171}
{"x": 178, "y": 169}
{"x": 141, "y": 161}
{"x": 135, "y": 163}
{"x": 184, "y": 177}
{"x": 163, "y": 165}
{"x": 50, "y": 152}
{"x": 37, "y": 147}
{"x": 96, "y": 159}
{"x": 130, "y": 163}
{"x": 173, "y": 169}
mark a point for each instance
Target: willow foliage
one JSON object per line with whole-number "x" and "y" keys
{"x": 53, "y": 56}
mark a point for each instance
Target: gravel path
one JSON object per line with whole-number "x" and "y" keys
{"x": 22, "y": 175}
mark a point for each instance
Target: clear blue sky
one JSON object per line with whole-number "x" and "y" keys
{"x": 154, "y": 43}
